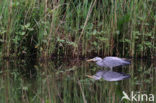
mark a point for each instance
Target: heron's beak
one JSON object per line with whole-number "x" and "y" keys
{"x": 90, "y": 60}
{"x": 90, "y": 76}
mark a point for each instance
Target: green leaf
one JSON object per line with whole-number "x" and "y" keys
{"x": 94, "y": 32}
{"x": 23, "y": 33}
{"x": 30, "y": 29}
{"x": 25, "y": 88}
{"x": 103, "y": 39}
{"x": 95, "y": 43}
{"x": 27, "y": 25}
{"x": 127, "y": 40}
{"x": 117, "y": 32}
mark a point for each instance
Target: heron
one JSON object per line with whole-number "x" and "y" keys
{"x": 110, "y": 62}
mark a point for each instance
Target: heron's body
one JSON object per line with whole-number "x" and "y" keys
{"x": 110, "y": 62}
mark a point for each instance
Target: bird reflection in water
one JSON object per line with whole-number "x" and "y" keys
{"x": 109, "y": 75}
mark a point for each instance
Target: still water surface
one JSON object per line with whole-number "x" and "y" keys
{"x": 29, "y": 81}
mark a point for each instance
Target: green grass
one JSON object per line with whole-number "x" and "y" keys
{"x": 77, "y": 28}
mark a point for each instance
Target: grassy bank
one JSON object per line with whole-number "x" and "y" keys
{"x": 43, "y": 28}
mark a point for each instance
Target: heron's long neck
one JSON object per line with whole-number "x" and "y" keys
{"x": 99, "y": 63}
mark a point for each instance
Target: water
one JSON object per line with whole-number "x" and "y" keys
{"x": 28, "y": 81}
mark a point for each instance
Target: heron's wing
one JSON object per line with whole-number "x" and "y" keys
{"x": 115, "y": 61}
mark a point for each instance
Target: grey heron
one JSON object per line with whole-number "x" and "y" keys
{"x": 110, "y": 61}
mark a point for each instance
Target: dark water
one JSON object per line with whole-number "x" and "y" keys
{"x": 28, "y": 81}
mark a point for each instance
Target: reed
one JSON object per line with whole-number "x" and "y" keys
{"x": 77, "y": 28}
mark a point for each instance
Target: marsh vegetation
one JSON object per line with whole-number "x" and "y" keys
{"x": 77, "y": 28}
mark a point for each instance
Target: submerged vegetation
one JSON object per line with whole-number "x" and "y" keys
{"x": 43, "y": 28}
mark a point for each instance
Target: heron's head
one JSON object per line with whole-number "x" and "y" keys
{"x": 95, "y": 59}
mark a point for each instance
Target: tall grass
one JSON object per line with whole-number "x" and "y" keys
{"x": 77, "y": 28}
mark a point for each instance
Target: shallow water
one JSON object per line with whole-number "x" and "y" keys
{"x": 28, "y": 81}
